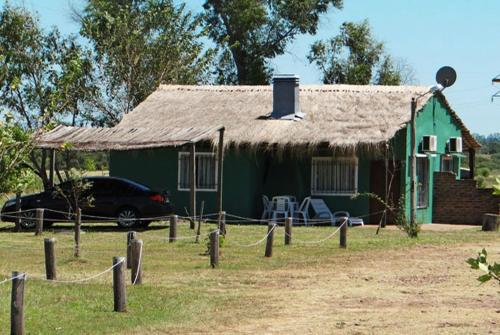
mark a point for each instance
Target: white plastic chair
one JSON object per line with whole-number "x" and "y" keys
{"x": 282, "y": 207}
{"x": 303, "y": 210}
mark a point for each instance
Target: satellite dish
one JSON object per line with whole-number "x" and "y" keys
{"x": 446, "y": 76}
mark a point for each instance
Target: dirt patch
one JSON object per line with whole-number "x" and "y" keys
{"x": 416, "y": 290}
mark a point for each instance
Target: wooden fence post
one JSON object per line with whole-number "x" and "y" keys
{"x": 172, "y": 235}
{"x": 18, "y": 214}
{"x": 131, "y": 235}
{"x": 222, "y": 222}
{"x": 39, "y": 221}
{"x": 214, "y": 248}
{"x": 119, "y": 293}
{"x": 137, "y": 258}
{"x": 17, "y": 304}
{"x": 50, "y": 258}
{"x": 288, "y": 231}
{"x": 343, "y": 233}
{"x": 78, "y": 223}
{"x": 270, "y": 239}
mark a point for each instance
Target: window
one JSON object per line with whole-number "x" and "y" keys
{"x": 206, "y": 171}
{"x": 449, "y": 164}
{"x": 334, "y": 176}
{"x": 422, "y": 182}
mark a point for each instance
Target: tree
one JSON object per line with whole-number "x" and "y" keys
{"x": 140, "y": 44}
{"x": 44, "y": 78}
{"x": 15, "y": 146}
{"x": 355, "y": 57}
{"x": 252, "y": 32}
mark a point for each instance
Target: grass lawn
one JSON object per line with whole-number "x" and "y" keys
{"x": 301, "y": 289}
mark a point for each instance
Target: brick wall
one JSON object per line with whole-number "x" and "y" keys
{"x": 460, "y": 201}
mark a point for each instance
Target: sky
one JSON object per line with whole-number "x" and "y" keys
{"x": 427, "y": 34}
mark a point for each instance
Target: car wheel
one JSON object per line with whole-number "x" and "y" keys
{"x": 28, "y": 220}
{"x": 127, "y": 217}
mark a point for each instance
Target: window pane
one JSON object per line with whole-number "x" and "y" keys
{"x": 422, "y": 182}
{"x": 206, "y": 172}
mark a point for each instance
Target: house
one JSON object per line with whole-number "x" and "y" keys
{"x": 327, "y": 141}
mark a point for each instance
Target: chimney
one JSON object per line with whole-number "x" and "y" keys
{"x": 286, "y": 105}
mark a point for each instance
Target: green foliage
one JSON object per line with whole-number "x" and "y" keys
{"x": 480, "y": 263}
{"x": 140, "y": 45}
{"x": 44, "y": 78}
{"x": 15, "y": 147}
{"x": 496, "y": 186}
{"x": 75, "y": 190}
{"x": 249, "y": 33}
{"x": 354, "y": 56}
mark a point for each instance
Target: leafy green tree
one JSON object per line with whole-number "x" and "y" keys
{"x": 15, "y": 146}
{"x": 140, "y": 44}
{"x": 355, "y": 57}
{"x": 252, "y": 32}
{"x": 44, "y": 78}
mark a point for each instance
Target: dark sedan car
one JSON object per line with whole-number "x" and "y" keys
{"x": 130, "y": 203}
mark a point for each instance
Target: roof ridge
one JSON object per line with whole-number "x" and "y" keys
{"x": 313, "y": 87}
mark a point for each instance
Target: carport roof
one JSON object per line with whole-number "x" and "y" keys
{"x": 96, "y": 139}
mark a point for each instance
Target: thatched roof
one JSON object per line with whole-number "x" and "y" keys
{"x": 340, "y": 115}
{"x": 93, "y": 139}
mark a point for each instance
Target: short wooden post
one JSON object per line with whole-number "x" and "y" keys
{"x": 222, "y": 222}
{"x": 17, "y": 304}
{"x": 50, "y": 258}
{"x": 78, "y": 223}
{"x": 270, "y": 239}
{"x": 137, "y": 257}
{"x": 18, "y": 214}
{"x": 288, "y": 231}
{"x": 214, "y": 248}
{"x": 131, "y": 235}
{"x": 119, "y": 293}
{"x": 39, "y": 221}
{"x": 343, "y": 233}
{"x": 172, "y": 234}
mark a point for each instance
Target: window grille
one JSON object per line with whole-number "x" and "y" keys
{"x": 334, "y": 176}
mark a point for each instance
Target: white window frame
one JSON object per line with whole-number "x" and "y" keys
{"x": 454, "y": 163}
{"x": 197, "y": 154}
{"x": 333, "y": 159}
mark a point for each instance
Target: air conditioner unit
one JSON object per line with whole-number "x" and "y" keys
{"x": 455, "y": 144}
{"x": 429, "y": 143}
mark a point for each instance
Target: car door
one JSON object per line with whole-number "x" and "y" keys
{"x": 104, "y": 202}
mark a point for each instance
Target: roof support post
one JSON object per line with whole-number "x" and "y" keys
{"x": 52, "y": 163}
{"x": 413, "y": 163}
{"x": 472, "y": 162}
{"x": 220, "y": 154}
{"x": 192, "y": 180}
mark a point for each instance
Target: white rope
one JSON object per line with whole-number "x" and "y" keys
{"x": 258, "y": 242}
{"x": 138, "y": 266}
{"x": 318, "y": 241}
{"x": 83, "y": 279}
{"x": 15, "y": 277}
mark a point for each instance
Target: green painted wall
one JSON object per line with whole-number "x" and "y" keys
{"x": 247, "y": 176}
{"x": 432, "y": 119}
